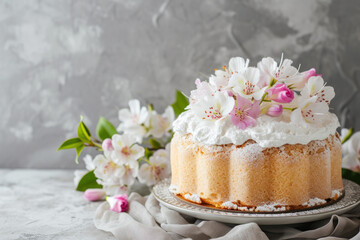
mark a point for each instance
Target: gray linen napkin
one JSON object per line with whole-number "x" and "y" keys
{"x": 147, "y": 219}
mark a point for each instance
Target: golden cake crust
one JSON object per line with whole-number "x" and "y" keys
{"x": 287, "y": 177}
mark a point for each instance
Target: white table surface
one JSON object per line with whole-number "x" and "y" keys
{"x": 43, "y": 204}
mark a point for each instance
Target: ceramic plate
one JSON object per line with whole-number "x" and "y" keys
{"x": 348, "y": 202}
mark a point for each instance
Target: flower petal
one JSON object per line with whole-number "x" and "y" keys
{"x": 134, "y": 105}
{"x": 238, "y": 64}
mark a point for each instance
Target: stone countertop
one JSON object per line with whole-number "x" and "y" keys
{"x": 43, "y": 204}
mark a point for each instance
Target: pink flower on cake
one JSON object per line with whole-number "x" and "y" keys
{"x": 315, "y": 87}
{"x": 118, "y": 203}
{"x": 285, "y": 72}
{"x": 275, "y": 110}
{"x": 244, "y": 113}
{"x": 245, "y": 84}
{"x": 310, "y": 111}
{"x": 125, "y": 149}
{"x": 280, "y": 93}
{"x": 214, "y": 107}
{"x": 299, "y": 85}
{"x": 132, "y": 120}
{"x": 310, "y": 73}
{"x": 95, "y": 194}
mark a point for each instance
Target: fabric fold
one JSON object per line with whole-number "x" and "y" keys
{"x": 146, "y": 219}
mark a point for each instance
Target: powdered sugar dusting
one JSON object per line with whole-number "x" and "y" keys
{"x": 270, "y": 208}
{"x": 263, "y": 208}
{"x": 336, "y": 193}
{"x": 173, "y": 189}
{"x": 193, "y": 198}
{"x": 250, "y": 152}
{"x": 229, "y": 205}
{"x": 314, "y": 202}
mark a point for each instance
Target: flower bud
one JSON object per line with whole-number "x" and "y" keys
{"x": 107, "y": 145}
{"x": 309, "y": 73}
{"x": 280, "y": 93}
{"x": 118, "y": 203}
{"x": 275, "y": 110}
{"x": 94, "y": 194}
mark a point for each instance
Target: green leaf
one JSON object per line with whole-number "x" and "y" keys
{"x": 84, "y": 133}
{"x": 348, "y": 135}
{"x": 78, "y": 152}
{"x": 154, "y": 143}
{"x": 105, "y": 129}
{"x": 70, "y": 143}
{"x": 88, "y": 181}
{"x": 272, "y": 82}
{"x": 351, "y": 175}
{"x": 151, "y": 107}
{"x": 148, "y": 153}
{"x": 180, "y": 103}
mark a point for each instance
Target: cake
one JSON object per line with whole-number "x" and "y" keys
{"x": 258, "y": 139}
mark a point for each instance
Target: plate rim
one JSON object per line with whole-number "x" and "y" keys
{"x": 261, "y": 218}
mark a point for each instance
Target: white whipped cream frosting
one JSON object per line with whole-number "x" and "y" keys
{"x": 268, "y": 132}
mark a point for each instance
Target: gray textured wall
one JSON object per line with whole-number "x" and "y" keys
{"x": 60, "y": 59}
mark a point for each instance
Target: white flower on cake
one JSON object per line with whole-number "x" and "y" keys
{"x": 306, "y": 76}
{"x": 203, "y": 89}
{"x": 273, "y": 88}
{"x": 133, "y": 119}
{"x": 220, "y": 81}
{"x": 310, "y": 111}
{"x": 285, "y": 72}
{"x": 238, "y": 65}
{"x": 159, "y": 125}
{"x": 214, "y": 107}
{"x": 245, "y": 83}
{"x": 315, "y": 87}
{"x": 125, "y": 149}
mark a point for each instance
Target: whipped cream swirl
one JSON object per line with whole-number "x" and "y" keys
{"x": 268, "y": 132}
